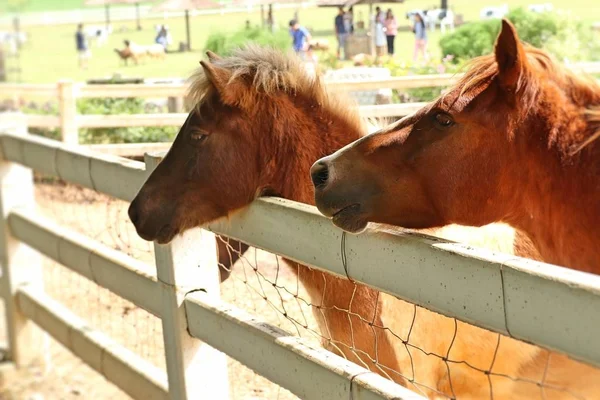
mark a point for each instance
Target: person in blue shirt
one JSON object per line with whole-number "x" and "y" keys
{"x": 82, "y": 47}
{"x": 341, "y": 33}
{"x": 300, "y": 38}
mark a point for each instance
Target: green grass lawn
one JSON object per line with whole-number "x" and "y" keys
{"x": 50, "y": 54}
{"x": 44, "y": 5}
{"x": 39, "y": 5}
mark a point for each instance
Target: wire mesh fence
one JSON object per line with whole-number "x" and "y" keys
{"x": 433, "y": 355}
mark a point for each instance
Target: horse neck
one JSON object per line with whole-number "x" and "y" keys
{"x": 558, "y": 208}
{"x": 301, "y": 139}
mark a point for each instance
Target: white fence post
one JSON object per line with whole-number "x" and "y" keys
{"x": 21, "y": 265}
{"x": 194, "y": 369}
{"x": 67, "y": 109}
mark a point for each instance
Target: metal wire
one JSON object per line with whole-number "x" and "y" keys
{"x": 265, "y": 285}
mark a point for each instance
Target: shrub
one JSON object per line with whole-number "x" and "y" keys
{"x": 106, "y": 106}
{"x": 328, "y": 61}
{"x": 223, "y": 44}
{"x": 48, "y": 108}
{"x": 422, "y": 93}
{"x": 470, "y": 40}
{"x": 557, "y": 32}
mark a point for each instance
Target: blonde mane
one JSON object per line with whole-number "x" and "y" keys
{"x": 267, "y": 72}
{"x": 580, "y": 88}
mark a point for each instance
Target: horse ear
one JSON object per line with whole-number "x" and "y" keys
{"x": 218, "y": 76}
{"x": 212, "y": 56}
{"x": 230, "y": 91}
{"x": 510, "y": 56}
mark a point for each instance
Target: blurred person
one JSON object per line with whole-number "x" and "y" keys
{"x": 300, "y": 38}
{"x": 391, "y": 30}
{"x": 420, "y": 37}
{"x": 161, "y": 38}
{"x": 341, "y": 33}
{"x": 83, "y": 51}
{"x": 380, "y": 40}
{"x": 349, "y": 21}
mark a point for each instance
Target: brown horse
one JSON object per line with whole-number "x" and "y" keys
{"x": 177, "y": 188}
{"x": 513, "y": 141}
{"x": 203, "y": 178}
{"x": 256, "y": 128}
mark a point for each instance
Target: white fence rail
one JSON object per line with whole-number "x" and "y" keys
{"x": 540, "y": 303}
{"x": 124, "y": 368}
{"x": 123, "y": 275}
{"x": 522, "y": 298}
{"x": 135, "y": 282}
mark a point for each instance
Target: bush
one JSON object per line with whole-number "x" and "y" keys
{"x": 422, "y": 93}
{"x": 470, "y": 40}
{"x": 559, "y": 33}
{"x": 106, "y": 106}
{"x": 223, "y": 44}
{"x": 48, "y": 108}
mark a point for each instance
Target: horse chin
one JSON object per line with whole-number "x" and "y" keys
{"x": 166, "y": 234}
{"x": 351, "y": 219}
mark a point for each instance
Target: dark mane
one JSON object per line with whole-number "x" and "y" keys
{"x": 582, "y": 90}
{"x": 270, "y": 72}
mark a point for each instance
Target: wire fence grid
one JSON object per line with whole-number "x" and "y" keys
{"x": 435, "y": 356}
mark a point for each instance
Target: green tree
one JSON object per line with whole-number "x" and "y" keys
{"x": 559, "y": 33}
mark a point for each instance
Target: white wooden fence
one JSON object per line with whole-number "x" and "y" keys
{"x": 69, "y": 122}
{"x": 544, "y": 304}
{"x": 67, "y": 92}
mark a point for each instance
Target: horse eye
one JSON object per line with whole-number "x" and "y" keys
{"x": 198, "y": 136}
{"x": 443, "y": 120}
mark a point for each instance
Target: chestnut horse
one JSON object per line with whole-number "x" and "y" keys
{"x": 513, "y": 141}
{"x": 222, "y": 159}
{"x": 256, "y": 128}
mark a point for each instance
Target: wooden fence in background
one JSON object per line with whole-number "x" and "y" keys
{"x": 69, "y": 121}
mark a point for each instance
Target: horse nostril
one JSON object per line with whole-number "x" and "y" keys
{"x": 133, "y": 213}
{"x": 319, "y": 174}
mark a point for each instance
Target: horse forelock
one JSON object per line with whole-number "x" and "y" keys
{"x": 265, "y": 73}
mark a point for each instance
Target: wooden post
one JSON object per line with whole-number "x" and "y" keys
{"x": 187, "y": 30}
{"x": 270, "y": 18}
{"x": 372, "y": 30}
{"x": 20, "y": 264}
{"x": 107, "y": 13}
{"x": 2, "y": 67}
{"x": 17, "y": 26}
{"x": 68, "y": 111}
{"x": 137, "y": 16}
{"x": 175, "y": 104}
{"x": 189, "y": 263}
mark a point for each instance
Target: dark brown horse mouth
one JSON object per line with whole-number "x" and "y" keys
{"x": 166, "y": 234}
{"x": 350, "y": 218}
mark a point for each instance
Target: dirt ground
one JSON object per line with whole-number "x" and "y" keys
{"x": 64, "y": 376}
